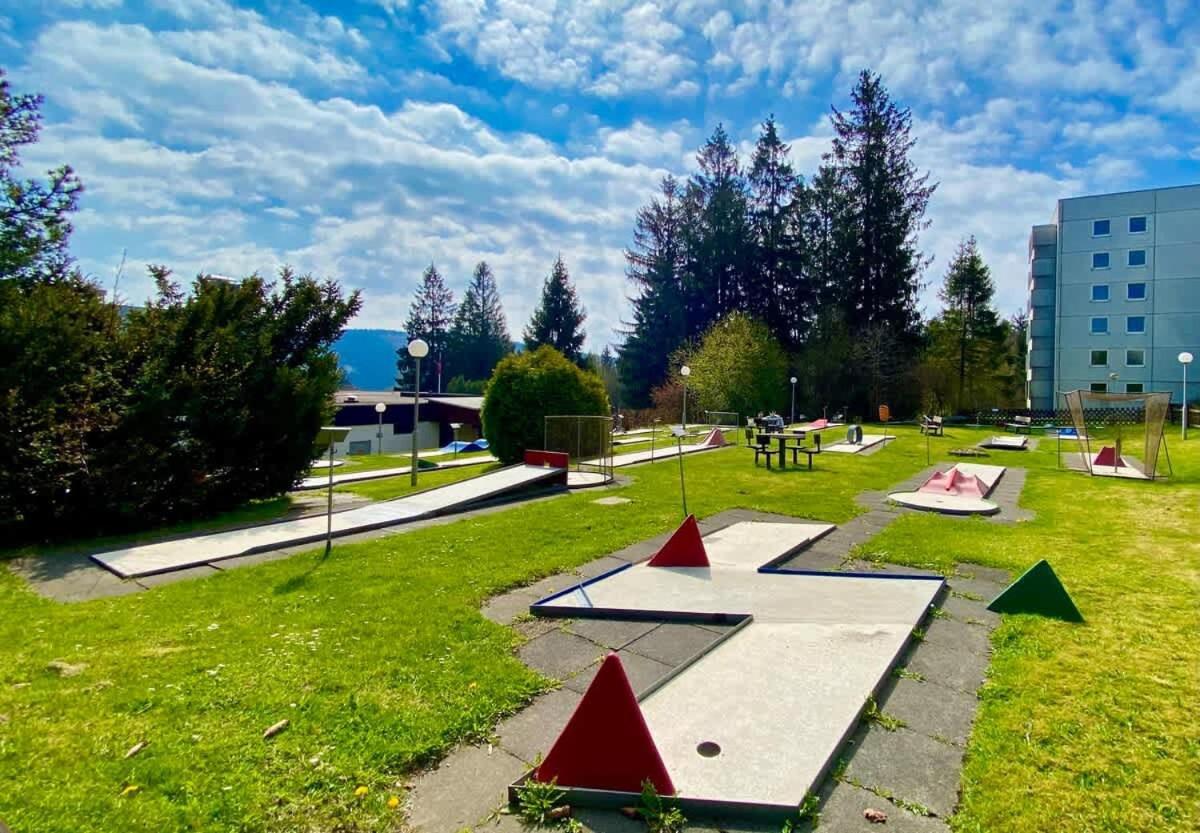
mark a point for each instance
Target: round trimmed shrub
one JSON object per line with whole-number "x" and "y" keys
{"x": 526, "y": 388}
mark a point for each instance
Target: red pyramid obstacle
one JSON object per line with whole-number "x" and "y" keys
{"x": 606, "y": 745}
{"x": 715, "y": 439}
{"x": 1108, "y": 457}
{"x": 683, "y": 549}
{"x": 954, "y": 482}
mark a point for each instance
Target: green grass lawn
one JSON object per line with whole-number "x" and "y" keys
{"x": 379, "y": 658}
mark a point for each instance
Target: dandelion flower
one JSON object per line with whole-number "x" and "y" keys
{"x": 360, "y": 792}
{"x": 393, "y": 803}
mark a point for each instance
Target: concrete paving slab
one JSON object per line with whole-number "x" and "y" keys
{"x": 842, "y": 812}
{"x": 672, "y": 643}
{"x": 559, "y": 654}
{"x": 1006, "y": 443}
{"x": 532, "y": 731}
{"x": 503, "y": 609}
{"x": 165, "y": 556}
{"x": 908, "y": 765}
{"x": 159, "y": 579}
{"x": 945, "y": 504}
{"x": 463, "y": 790}
{"x": 322, "y": 481}
{"x": 956, "y": 668}
{"x": 610, "y": 633}
{"x": 965, "y": 610}
{"x": 932, "y": 710}
{"x": 71, "y": 578}
{"x": 978, "y": 589}
{"x": 978, "y": 571}
{"x": 955, "y": 634}
{"x": 642, "y": 672}
{"x": 600, "y": 565}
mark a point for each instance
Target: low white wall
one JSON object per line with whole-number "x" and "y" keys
{"x": 427, "y": 437}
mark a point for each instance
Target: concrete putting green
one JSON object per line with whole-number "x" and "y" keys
{"x": 961, "y": 489}
{"x": 752, "y": 724}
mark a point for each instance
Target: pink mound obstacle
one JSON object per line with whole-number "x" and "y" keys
{"x": 818, "y": 423}
{"x": 606, "y": 745}
{"x": 715, "y": 439}
{"x": 954, "y": 483}
{"x": 1108, "y": 456}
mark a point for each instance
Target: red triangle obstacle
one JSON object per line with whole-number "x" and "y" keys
{"x": 1108, "y": 457}
{"x": 606, "y": 745}
{"x": 714, "y": 439}
{"x": 683, "y": 549}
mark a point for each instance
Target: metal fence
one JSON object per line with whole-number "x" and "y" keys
{"x": 587, "y": 442}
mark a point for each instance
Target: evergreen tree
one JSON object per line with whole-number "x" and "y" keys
{"x": 655, "y": 266}
{"x": 717, "y": 236}
{"x": 559, "y": 318}
{"x": 429, "y": 319}
{"x": 34, "y": 224}
{"x": 479, "y": 337}
{"x": 775, "y": 290}
{"x": 823, "y": 226}
{"x": 973, "y": 323}
{"x": 885, "y": 207}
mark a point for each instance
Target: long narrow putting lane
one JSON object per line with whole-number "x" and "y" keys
{"x": 165, "y": 556}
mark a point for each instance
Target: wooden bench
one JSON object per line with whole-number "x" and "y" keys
{"x": 933, "y": 426}
{"x": 763, "y": 448}
{"x": 797, "y": 450}
{"x": 1020, "y": 424}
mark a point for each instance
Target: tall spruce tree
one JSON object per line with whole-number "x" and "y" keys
{"x": 971, "y": 321}
{"x": 886, "y": 199}
{"x": 774, "y": 285}
{"x": 479, "y": 336}
{"x": 655, "y": 266}
{"x": 559, "y": 318}
{"x": 717, "y": 235}
{"x": 429, "y": 319}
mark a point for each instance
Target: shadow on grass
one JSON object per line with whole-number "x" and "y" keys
{"x": 301, "y": 580}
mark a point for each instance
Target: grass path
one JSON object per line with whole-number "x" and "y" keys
{"x": 380, "y": 660}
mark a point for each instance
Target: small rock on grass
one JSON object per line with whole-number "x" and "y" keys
{"x": 563, "y": 812}
{"x": 136, "y": 748}
{"x": 276, "y": 728}
{"x": 875, "y": 816}
{"x": 66, "y": 669}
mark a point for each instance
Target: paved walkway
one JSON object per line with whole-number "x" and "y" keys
{"x": 321, "y": 481}
{"x": 910, "y": 771}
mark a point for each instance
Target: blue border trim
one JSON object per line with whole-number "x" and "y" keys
{"x": 780, "y": 571}
{"x": 583, "y": 583}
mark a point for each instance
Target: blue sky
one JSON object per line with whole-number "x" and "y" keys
{"x": 361, "y": 140}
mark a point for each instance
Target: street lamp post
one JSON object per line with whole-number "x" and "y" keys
{"x": 454, "y": 426}
{"x": 379, "y": 409}
{"x": 330, "y": 434}
{"x": 679, "y": 445}
{"x": 792, "y": 421}
{"x": 418, "y": 349}
{"x": 1185, "y": 358}
{"x": 685, "y": 372}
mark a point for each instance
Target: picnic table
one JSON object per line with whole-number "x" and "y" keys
{"x": 782, "y": 437}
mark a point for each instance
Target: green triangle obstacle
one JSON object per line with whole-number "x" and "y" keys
{"x": 1038, "y": 591}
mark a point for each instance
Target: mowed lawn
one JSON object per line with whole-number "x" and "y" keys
{"x": 380, "y": 660}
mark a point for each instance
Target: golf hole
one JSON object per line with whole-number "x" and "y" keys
{"x": 708, "y": 749}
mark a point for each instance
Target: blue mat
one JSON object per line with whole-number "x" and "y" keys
{"x": 461, "y": 447}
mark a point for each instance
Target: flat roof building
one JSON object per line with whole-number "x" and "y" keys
{"x": 1114, "y": 288}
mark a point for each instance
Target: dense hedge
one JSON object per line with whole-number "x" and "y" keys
{"x": 526, "y": 388}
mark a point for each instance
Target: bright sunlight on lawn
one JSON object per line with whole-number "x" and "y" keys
{"x": 380, "y": 660}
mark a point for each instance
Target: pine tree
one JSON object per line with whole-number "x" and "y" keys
{"x": 978, "y": 338}
{"x": 655, "y": 266}
{"x": 479, "y": 337}
{"x": 429, "y": 319}
{"x": 774, "y": 287}
{"x": 886, "y": 202}
{"x": 717, "y": 235}
{"x": 559, "y": 318}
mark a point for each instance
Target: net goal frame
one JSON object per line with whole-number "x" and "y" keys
{"x": 1103, "y": 409}
{"x": 587, "y": 440}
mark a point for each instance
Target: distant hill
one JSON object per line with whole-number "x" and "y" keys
{"x": 369, "y": 357}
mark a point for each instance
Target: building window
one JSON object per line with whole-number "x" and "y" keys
{"x": 1135, "y": 358}
{"x": 1101, "y": 228}
{"x": 1100, "y": 325}
{"x": 1099, "y": 292}
{"x": 1137, "y": 257}
{"x": 1135, "y": 292}
{"x": 1099, "y": 387}
{"x": 1099, "y": 358}
{"x": 1134, "y": 387}
{"x": 1137, "y": 225}
{"x": 1135, "y": 324}
{"x": 1099, "y": 260}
